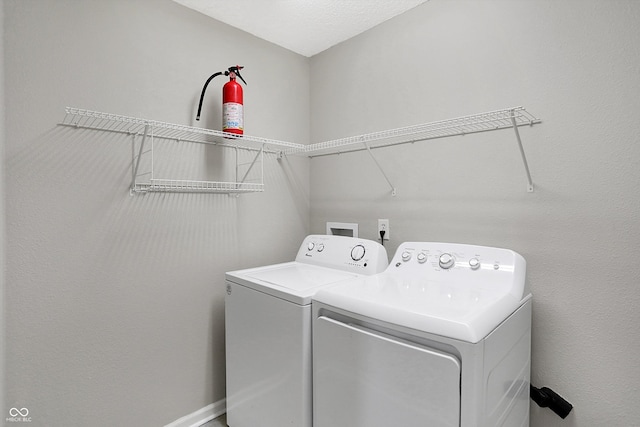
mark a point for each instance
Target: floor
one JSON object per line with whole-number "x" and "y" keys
{"x": 221, "y": 421}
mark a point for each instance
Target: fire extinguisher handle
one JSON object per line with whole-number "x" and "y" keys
{"x": 236, "y": 70}
{"x": 204, "y": 89}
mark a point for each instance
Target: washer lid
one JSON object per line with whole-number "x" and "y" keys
{"x": 293, "y": 281}
{"x": 442, "y": 308}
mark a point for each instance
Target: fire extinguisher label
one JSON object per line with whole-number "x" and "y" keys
{"x": 232, "y": 116}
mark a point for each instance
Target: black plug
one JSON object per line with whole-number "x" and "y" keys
{"x": 382, "y": 233}
{"x": 547, "y": 398}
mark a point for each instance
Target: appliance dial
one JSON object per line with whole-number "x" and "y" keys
{"x": 406, "y": 256}
{"x": 422, "y": 257}
{"x": 357, "y": 253}
{"x": 310, "y": 246}
{"x": 446, "y": 261}
{"x": 321, "y": 247}
{"x": 474, "y": 263}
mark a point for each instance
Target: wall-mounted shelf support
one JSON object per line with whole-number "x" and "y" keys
{"x": 259, "y": 155}
{"x": 393, "y": 189}
{"x": 524, "y": 157}
{"x": 136, "y": 159}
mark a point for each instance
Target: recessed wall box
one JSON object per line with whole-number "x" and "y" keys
{"x": 342, "y": 229}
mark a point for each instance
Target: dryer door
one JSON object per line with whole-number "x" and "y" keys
{"x": 362, "y": 378}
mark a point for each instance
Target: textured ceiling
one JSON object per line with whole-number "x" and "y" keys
{"x": 306, "y": 27}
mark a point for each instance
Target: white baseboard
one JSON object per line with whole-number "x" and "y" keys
{"x": 201, "y": 416}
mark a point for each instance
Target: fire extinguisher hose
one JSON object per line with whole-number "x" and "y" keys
{"x": 204, "y": 89}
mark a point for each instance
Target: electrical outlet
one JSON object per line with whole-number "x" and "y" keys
{"x": 383, "y": 225}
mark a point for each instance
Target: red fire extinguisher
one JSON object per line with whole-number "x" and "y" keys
{"x": 232, "y": 102}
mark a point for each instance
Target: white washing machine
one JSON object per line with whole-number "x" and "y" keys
{"x": 441, "y": 338}
{"x": 268, "y": 328}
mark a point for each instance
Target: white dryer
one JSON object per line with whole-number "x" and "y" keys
{"x": 268, "y": 328}
{"x": 440, "y": 339}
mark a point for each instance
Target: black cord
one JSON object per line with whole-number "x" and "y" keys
{"x": 382, "y": 232}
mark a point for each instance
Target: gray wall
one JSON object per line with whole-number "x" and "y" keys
{"x": 576, "y": 65}
{"x": 114, "y": 309}
{"x": 114, "y": 303}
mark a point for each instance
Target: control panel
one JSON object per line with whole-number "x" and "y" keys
{"x": 457, "y": 263}
{"x": 343, "y": 253}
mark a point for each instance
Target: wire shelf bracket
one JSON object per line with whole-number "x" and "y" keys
{"x": 522, "y": 154}
{"x": 393, "y": 189}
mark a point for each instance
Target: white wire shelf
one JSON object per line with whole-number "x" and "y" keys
{"x": 95, "y": 120}
{"x": 143, "y": 164}
{"x": 187, "y": 186}
{"x": 483, "y": 122}
{"x": 508, "y": 118}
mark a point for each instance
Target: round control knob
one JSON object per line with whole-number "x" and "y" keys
{"x": 422, "y": 257}
{"x": 406, "y": 256}
{"x": 320, "y": 247}
{"x": 474, "y": 263}
{"x": 310, "y": 246}
{"x": 357, "y": 253}
{"x": 446, "y": 261}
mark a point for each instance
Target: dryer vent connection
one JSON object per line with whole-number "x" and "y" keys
{"x": 547, "y": 398}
